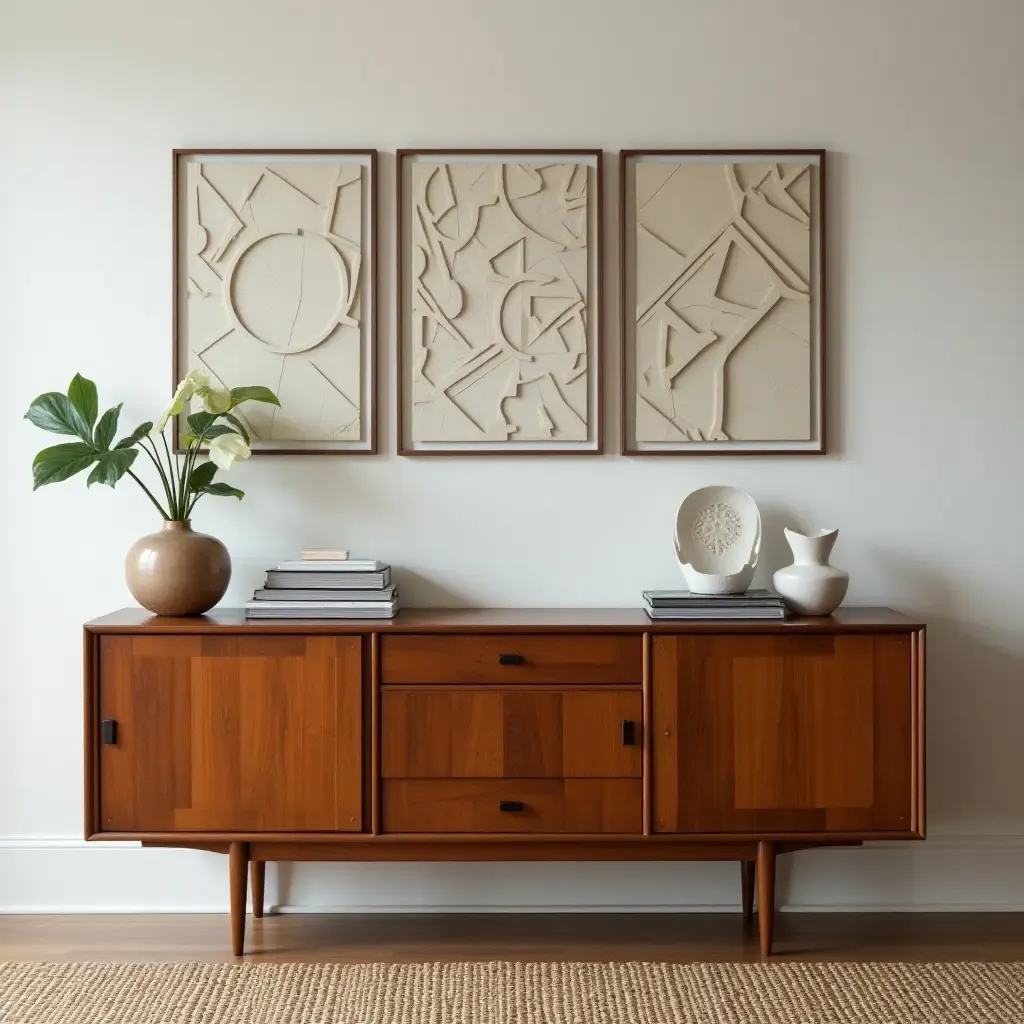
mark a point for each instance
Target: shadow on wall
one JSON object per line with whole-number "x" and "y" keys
{"x": 975, "y": 702}
{"x": 418, "y": 591}
{"x": 775, "y": 552}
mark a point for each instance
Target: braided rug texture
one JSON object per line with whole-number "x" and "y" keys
{"x": 503, "y": 993}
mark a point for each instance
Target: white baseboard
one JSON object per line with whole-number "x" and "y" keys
{"x": 64, "y": 875}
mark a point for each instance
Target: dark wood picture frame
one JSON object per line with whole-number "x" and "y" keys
{"x": 372, "y": 267}
{"x": 628, "y": 445}
{"x": 596, "y": 429}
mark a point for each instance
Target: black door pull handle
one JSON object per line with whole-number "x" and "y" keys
{"x": 628, "y": 733}
{"x": 510, "y": 659}
{"x": 108, "y": 730}
{"x": 510, "y": 805}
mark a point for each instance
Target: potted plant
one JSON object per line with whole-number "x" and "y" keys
{"x": 175, "y": 571}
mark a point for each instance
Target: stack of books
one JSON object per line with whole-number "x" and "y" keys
{"x": 681, "y": 604}
{"x": 326, "y": 585}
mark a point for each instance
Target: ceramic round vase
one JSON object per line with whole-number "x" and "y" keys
{"x": 810, "y": 586}
{"x": 718, "y": 537}
{"x": 178, "y": 571}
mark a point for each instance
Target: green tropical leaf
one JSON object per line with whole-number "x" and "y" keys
{"x": 55, "y": 413}
{"x": 106, "y": 428}
{"x": 222, "y": 491}
{"x": 82, "y": 395}
{"x": 199, "y": 422}
{"x": 202, "y": 476}
{"x": 135, "y": 436}
{"x": 61, "y": 461}
{"x": 111, "y": 466}
{"x": 219, "y": 430}
{"x": 253, "y": 394}
{"x": 239, "y": 426}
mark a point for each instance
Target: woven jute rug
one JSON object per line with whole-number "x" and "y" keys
{"x": 502, "y": 993}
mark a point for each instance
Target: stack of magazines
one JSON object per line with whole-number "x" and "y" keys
{"x": 326, "y": 585}
{"x": 681, "y": 604}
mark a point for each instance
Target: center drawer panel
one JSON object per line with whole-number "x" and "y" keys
{"x": 529, "y": 732}
{"x": 611, "y": 806}
{"x": 512, "y": 658}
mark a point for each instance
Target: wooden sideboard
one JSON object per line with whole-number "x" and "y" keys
{"x": 504, "y": 735}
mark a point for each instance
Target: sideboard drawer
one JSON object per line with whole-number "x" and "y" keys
{"x": 506, "y": 805}
{"x": 530, "y": 732}
{"x": 511, "y": 658}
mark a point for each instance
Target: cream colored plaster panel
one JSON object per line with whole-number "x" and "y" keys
{"x": 723, "y": 312}
{"x": 274, "y": 264}
{"x": 497, "y": 273}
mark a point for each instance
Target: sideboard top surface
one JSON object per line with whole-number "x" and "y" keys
{"x": 514, "y": 620}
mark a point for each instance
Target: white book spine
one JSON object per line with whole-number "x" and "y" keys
{"x": 362, "y": 565}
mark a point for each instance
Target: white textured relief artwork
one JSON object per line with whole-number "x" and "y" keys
{"x": 498, "y": 345}
{"x": 273, "y": 264}
{"x": 723, "y": 342}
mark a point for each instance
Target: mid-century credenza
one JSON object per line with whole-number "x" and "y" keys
{"x": 504, "y": 735}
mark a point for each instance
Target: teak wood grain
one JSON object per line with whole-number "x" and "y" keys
{"x": 526, "y": 938}
{"x": 508, "y": 621}
{"x": 461, "y": 732}
{"x": 547, "y": 805}
{"x": 798, "y": 734}
{"x": 566, "y": 658}
{"x": 402, "y": 740}
{"x": 231, "y": 734}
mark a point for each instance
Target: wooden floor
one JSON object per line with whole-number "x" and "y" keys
{"x": 593, "y": 937}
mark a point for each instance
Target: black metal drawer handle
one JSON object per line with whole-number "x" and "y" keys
{"x": 511, "y": 806}
{"x": 108, "y": 731}
{"x": 628, "y": 733}
{"x": 510, "y": 659}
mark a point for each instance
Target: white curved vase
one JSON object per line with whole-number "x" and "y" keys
{"x": 718, "y": 537}
{"x": 810, "y": 586}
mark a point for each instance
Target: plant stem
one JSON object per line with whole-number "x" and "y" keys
{"x": 154, "y": 457}
{"x": 184, "y": 475}
{"x": 188, "y": 504}
{"x": 149, "y": 494}
{"x": 186, "y": 471}
{"x": 172, "y": 461}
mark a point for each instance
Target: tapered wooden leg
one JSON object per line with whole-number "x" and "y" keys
{"x": 766, "y": 894}
{"x": 238, "y": 864}
{"x": 257, "y": 876}
{"x": 747, "y": 881}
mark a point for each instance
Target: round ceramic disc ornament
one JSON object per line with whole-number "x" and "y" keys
{"x": 718, "y": 537}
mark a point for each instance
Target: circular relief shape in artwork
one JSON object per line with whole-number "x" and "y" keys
{"x": 717, "y": 527}
{"x": 288, "y": 290}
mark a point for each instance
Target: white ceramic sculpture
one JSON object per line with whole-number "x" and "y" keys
{"x": 718, "y": 537}
{"x": 810, "y": 586}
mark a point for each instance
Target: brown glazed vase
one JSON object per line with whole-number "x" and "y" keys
{"x": 178, "y": 571}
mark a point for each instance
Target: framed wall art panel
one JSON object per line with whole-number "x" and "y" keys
{"x": 275, "y": 256}
{"x": 723, "y": 302}
{"x": 499, "y": 299}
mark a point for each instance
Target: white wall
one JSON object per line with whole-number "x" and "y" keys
{"x": 919, "y": 104}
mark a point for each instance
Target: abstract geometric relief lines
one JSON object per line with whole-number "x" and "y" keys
{"x": 723, "y": 301}
{"x": 498, "y": 274}
{"x": 275, "y": 254}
